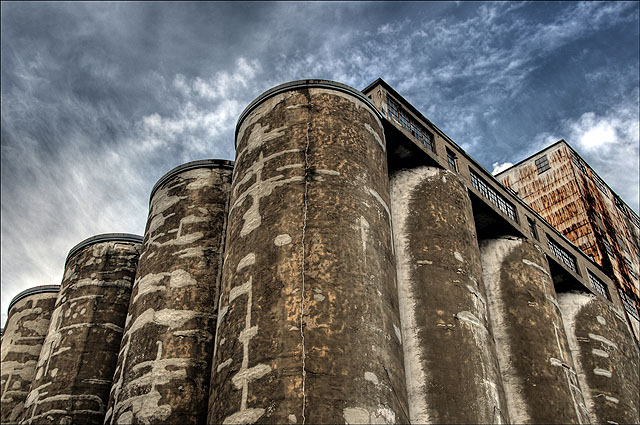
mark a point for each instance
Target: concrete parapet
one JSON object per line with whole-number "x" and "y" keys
{"x": 308, "y": 326}
{"x": 78, "y": 357}
{"x": 536, "y": 364}
{"x": 164, "y": 365}
{"x": 450, "y": 359}
{"x": 25, "y": 331}
{"x": 607, "y": 360}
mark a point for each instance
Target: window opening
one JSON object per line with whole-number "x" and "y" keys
{"x": 628, "y": 304}
{"x": 630, "y": 268}
{"x": 543, "y": 164}
{"x": 411, "y": 125}
{"x": 451, "y": 160}
{"x": 598, "y": 285}
{"x": 494, "y": 197}
{"x": 562, "y": 254}
{"x": 532, "y": 228}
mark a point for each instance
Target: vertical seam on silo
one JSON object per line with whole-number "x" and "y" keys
{"x": 304, "y": 227}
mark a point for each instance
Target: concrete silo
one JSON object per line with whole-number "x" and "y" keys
{"x": 606, "y": 356}
{"x": 308, "y": 325}
{"x": 24, "y": 333}
{"x": 164, "y": 364}
{"x": 78, "y": 357}
{"x": 535, "y": 360}
{"x": 449, "y": 353}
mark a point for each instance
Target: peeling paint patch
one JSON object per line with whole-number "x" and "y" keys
{"x": 371, "y": 377}
{"x": 600, "y": 353}
{"x": 602, "y": 372}
{"x": 248, "y": 260}
{"x": 398, "y": 334}
{"x": 458, "y": 256}
{"x": 536, "y": 265}
{"x": 283, "y": 239}
{"x": 603, "y": 340}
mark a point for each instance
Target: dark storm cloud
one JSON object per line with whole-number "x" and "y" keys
{"x": 100, "y": 99}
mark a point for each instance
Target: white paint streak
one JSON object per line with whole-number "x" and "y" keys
{"x": 246, "y": 261}
{"x": 602, "y": 372}
{"x": 282, "y": 240}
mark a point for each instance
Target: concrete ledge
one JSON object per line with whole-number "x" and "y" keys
{"x": 105, "y": 237}
{"x": 32, "y": 291}
{"x": 302, "y": 84}
{"x": 202, "y": 163}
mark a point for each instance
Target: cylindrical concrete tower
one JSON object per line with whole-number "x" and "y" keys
{"x": 24, "y": 333}
{"x": 78, "y": 358}
{"x": 164, "y": 365}
{"x": 449, "y": 353}
{"x": 606, "y": 357}
{"x": 537, "y": 367}
{"x": 308, "y": 326}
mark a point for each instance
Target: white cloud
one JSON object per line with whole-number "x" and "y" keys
{"x": 498, "y": 167}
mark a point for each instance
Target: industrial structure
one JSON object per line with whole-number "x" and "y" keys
{"x": 354, "y": 265}
{"x": 569, "y": 194}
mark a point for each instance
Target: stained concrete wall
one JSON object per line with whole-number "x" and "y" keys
{"x": 164, "y": 363}
{"x": 449, "y": 355}
{"x": 536, "y": 364}
{"x": 24, "y": 333}
{"x": 308, "y": 326}
{"x": 75, "y": 368}
{"x": 607, "y": 359}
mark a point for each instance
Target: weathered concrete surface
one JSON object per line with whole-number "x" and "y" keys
{"x": 449, "y": 354}
{"x": 24, "y": 333}
{"x": 606, "y": 358}
{"x": 164, "y": 365}
{"x": 78, "y": 358}
{"x": 537, "y": 368}
{"x": 308, "y": 326}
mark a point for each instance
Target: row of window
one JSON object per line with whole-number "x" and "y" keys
{"x": 562, "y": 254}
{"x": 494, "y": 197}
{"x": 603, "y": 187}
{"x": 598, "y": 285}
{"x": 628, "y": 304}
{"x": 416, "y": 130}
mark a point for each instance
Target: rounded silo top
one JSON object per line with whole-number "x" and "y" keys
{"x": 301, "y": 84}
{"x": 202, "y": 163}
{"x": 32, "y": 291}
{"x": 105, "y": 237}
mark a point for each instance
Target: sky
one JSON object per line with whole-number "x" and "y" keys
{"x": 99, "y": 100}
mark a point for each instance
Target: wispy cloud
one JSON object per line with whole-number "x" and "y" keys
{"x": 99, "y": 100}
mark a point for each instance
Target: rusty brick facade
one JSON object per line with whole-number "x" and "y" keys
{"x": 354, "y": 265}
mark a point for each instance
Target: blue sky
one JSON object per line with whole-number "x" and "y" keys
{"x": 99, "y": 100}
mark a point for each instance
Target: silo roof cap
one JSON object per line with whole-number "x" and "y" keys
{"x": 202, "y": 163}
{"x": 301, "y": 84}
{"x": 42, "y": 289}
{"x": 105, "y": 237}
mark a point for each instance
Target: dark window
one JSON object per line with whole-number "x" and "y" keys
{"x": 451, "y": 160}
{"x": 607, "y": 247}
{"x": 599, "y": 182}
{"x": 543, "y": 164}
{"x": 532, "y": 228}
{"x": 598, "y": 285}
{"x": 632, "y": 272}
{"x": 562, "y": 254}
{"x": 412, "y": 126}
{"x": 494, "y": 197}
{"x": 579, "y": 163}
{"x": 628, "y": 303}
